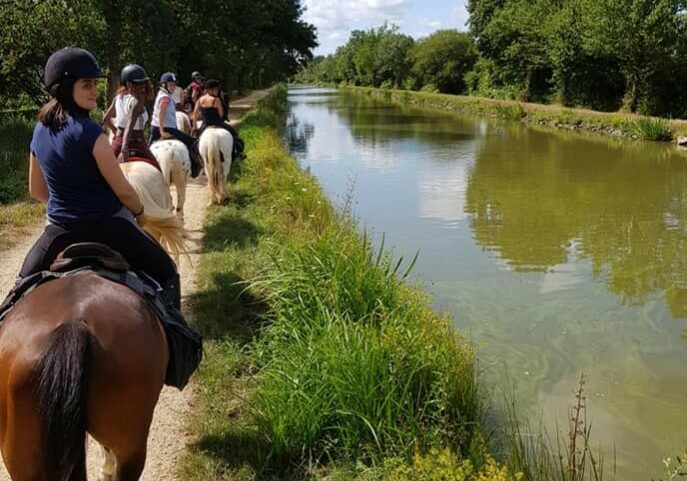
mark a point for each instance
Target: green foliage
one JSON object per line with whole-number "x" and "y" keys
{"x": 371, "y": 57}
{"x": 443, "y": 59}
{"x": 246, "y": 43}
{"x": 603, "y": 54}
{"x": 335, "y": 382}
{"x": 652, "y": 129}
{"x": 15, "y": 136}
{"x": 444, "y": 465}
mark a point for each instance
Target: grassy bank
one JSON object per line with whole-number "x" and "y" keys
{"x": 321, "y": 360}
{"x": 613, "y": 124}
{"x": 15, "y": 209}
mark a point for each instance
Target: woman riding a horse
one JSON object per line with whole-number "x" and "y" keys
{"x": 74, "y": 170}
{"x": 84, "y": 352}
{"x": 164, "y": 123}
{"x": 211, "y": 109}
{"x": 127, "y": 116}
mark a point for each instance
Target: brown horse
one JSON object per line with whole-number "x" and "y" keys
{"x": 78, "y": 354}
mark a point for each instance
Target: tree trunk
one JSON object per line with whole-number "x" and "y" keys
{"x": 631, "y": 100}
{"x": 112, "y": 55}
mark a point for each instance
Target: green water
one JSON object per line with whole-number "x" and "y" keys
{"x": 559, "y": 253}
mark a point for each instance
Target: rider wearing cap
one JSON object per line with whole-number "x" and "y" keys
{"x": 195, "y": 89}
{"x": 164, "y": 123}
{"x": 127, "y": 116}
{"x": 74, "y": 170}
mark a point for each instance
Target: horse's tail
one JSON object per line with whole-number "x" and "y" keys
{"x": 213, "y": 166}
{"x": 162, "y": 223}
{"x": 212, "y": 146}
{"x": 61, "y": 391}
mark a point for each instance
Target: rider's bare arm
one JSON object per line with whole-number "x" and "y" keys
{"x": 110, "y": 170}
{"x": 196, "y": 112}
{"x": 37, "y": 186}
{"x": 108, "y": 118}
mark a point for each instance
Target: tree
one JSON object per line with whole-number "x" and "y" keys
{"x": 443, "y": 59}
{"x": 30, "y": 34}
{"x": 643, "y": 34}
{"x": 245, "y": 42}
{"x": 481, "y": 13}
{"x": 392, "y": 59}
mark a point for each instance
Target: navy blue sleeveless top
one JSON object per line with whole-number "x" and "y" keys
{"x": 78, "y": 191}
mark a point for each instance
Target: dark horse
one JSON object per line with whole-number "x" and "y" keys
{"x": 78, "y": 354}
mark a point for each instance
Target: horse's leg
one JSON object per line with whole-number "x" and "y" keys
{"x": 131, "y": 467}
{"x": 21, "y": 428}
{"x": 109, "y": 466}
{"x": 179, "y": 178}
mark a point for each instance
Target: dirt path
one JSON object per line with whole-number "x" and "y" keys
{"x": 168, "y": 437}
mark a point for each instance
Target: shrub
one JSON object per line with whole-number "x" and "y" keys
{"x": 648, "y": 128}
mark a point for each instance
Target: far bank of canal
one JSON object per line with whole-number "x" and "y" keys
{"x": 559, "y": 253}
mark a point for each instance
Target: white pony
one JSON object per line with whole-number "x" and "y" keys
{"x": 175, "y": 162}
{"x": 153, "y": 191}
{"x": 183, "y": 122}
{"x": 215, "y": 147}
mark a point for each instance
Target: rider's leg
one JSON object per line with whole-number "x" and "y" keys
{"x": 51, "y": 242}
{"x": 154, "y": 134}
{"x": 192, "y": 145}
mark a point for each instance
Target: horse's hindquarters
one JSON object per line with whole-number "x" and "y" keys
{"x": 82, "y": 328}
{"x": 215, "y": 146}
{"x": 175, "y": 162}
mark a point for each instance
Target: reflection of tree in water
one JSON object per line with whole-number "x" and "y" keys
{"x": 376, "y": 122}
{"x": 298, "y": 135}
{"x": 531, "y": 194}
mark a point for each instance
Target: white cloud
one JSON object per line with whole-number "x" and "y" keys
{"x": 335, "y": 19}
{"x": 460, "y": 15}
{"x": 422, "y": 26}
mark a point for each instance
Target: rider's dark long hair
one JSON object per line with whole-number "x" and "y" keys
{"x": 55, "y": 112}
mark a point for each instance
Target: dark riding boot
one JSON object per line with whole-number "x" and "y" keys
{"x": 171, "y": 293}
{"x": 196, "y": 161}
{"x": 185, "y": 344}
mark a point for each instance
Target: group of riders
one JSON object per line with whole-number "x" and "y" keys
{"x": 75, "y": 170}
{"x": 204, "y": 102}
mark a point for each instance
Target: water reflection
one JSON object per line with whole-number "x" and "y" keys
{"x": 298, "y": 134}
{"x": 532, "y": 196}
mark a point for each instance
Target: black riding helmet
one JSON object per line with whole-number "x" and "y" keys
{"x": 70, "y": 63}
{"x": 133, "y": 73}
{"x": 212, "y": 84}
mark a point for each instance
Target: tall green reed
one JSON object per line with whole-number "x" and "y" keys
{"x": 354, "y": 364}
{"x": 561, "y": 457}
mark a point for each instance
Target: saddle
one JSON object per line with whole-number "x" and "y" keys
{"x": 89, "y": 254}
{"x": 185, "y": 344}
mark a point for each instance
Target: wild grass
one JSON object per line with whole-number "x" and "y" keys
{"x": 648, "y": 128}
{"x": 355, "y": 365}
{"x": 321, "y": 361}
{"x": 561, "y": 457}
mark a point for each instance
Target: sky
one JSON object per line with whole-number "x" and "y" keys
{"x": 335, "y": 19}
